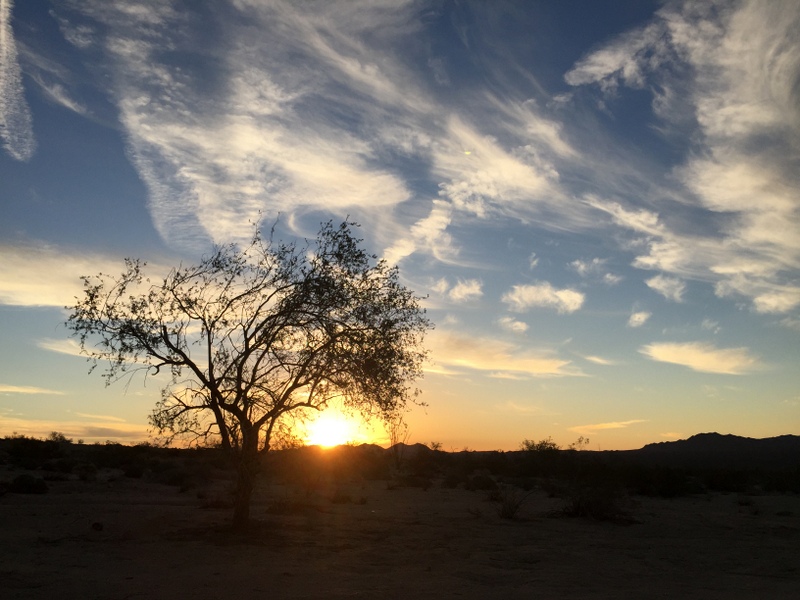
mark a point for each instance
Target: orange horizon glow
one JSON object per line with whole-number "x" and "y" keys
{"x": 335, "y": 428}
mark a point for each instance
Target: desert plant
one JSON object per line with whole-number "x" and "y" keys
{"x": 545, "y": 445}
{"x": 254, "y": 334}
{"x": 481, "y": 481}
{"x": 510, "y": 500}
{"x": 596, "y": 502}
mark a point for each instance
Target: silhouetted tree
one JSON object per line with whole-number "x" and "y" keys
{"x": 252, "y": 334}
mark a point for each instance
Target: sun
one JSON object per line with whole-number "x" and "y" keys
{"x": 332, "y": 429}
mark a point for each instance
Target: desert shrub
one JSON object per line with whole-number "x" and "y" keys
{"x": 59, "y": 465}
{"x": 423, "y": 464}
{"x": 85, "y": 471}
{"x": 510, "y": 500}
{"x": 495, "y": 462}
{"x": 593, "y": 501}
{"x": 659, "y": 481}
{"x": 546, "y": 445}
{"x": 58, "y": 438}
{"x": 27, "y": 484}
{"x": 729, "y": 480}
{"x": 30, "y": 453}
{"x": 134, "y": 470}
{"x": 481, "y": 481}
{"x": 785, "y": 481}
{"x": 452, "y": 479}
{"x": 543, "y": 459}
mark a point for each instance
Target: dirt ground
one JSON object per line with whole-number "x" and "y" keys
{"x": 127, "y": 538}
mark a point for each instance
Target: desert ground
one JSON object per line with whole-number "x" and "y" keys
{"x": 115, "y": 537}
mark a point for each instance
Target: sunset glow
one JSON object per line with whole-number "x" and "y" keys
{"x": 333, "y": 429}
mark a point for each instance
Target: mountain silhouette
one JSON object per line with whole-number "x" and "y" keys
{"x": 715, "y": 450}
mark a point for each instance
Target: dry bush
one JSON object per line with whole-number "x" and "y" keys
{"x": 596, "y": 502}
{"x": 510, "y": 500}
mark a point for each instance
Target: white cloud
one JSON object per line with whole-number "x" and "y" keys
{"x": 590, "y": 267}
{"x": 441, "y": 286}
{"x": 622, "y": 60}
{"x": 638, "y": 318}
{"x": 28, "y": 390}
{"x": 495, "y": 357}
{"x": 512, "y": 325}
{"x": 463, "y": 291}
{"x": 595, "y": 268}
{"x": 429, "y": 234}
{"x": 69, "y": 347}
{"x": 599, "y": 360}
{"x": 669, "y": 287}
{"x": 724, "y": 76}
{"x": 489, "y": 175}
{"x": 597, "y": 427}
{"x": 16, "y": 129}
{"x": 90, "y": 429}
{"x": 100, "y": 417}
{"x": 269, "y": 134}
{"x": 58, "y": 94}
{"x": 522, "y": 297}
{"x": 466, "y": 290}
{"x": 703, "y": 357}
{"x": 42, "y": 275}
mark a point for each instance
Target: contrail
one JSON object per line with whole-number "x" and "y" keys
{"x": 16, "y": 129}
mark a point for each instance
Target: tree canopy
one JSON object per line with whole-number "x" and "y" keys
{"x": 254, "y": 333}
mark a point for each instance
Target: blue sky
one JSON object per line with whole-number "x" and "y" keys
{"x": 601, "y": 200}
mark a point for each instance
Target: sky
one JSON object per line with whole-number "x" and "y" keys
{"x": 600, "y": 200}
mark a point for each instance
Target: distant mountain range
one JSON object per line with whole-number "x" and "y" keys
{"x": 701, "y": 451}
{"x": 715, "y": 450}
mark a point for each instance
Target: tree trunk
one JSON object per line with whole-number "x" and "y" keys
{"x": 246, "y": 476}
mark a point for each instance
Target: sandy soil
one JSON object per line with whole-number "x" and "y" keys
{"x": 365, "y": 540}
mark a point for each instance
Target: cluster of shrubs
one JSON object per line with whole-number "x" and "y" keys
{"x": 57, "y": 458}
{"x": 590, "y": 484}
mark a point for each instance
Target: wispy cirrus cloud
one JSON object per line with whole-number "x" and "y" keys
{"x": 69, "y": 347}
{"x": 523, "y": 297}
{"x": 725, "y": 75}
{"x": 16, "y": 127}
{"x": 704, "y": 357}
{"x": 100, "y": 417}
{"x": 599, "y": 360}
{"x": 597, "y": 427}
{"x": 28, "y": 390}
{"x": 298, "y": 108}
